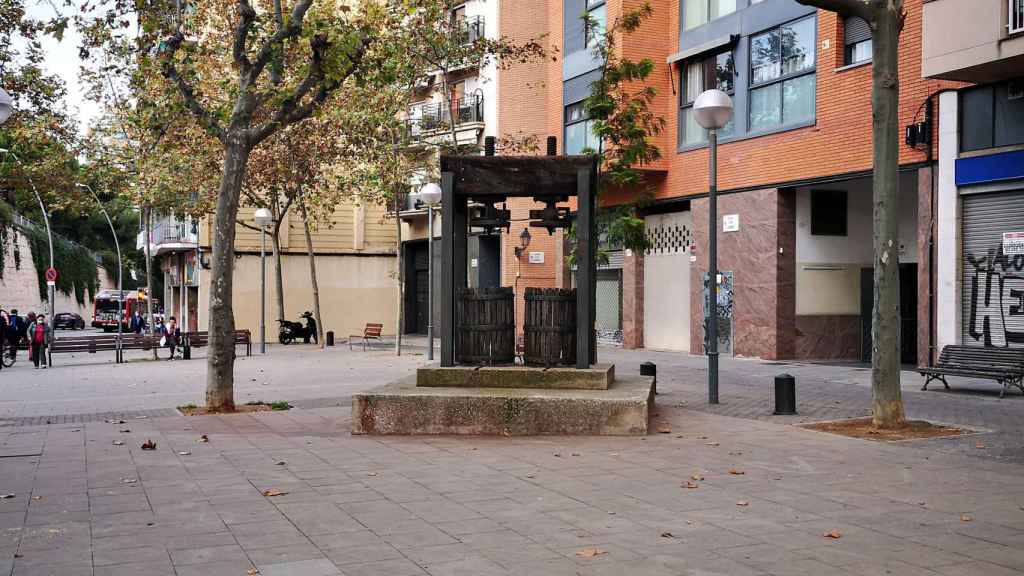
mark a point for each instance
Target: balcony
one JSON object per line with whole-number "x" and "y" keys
{"x": 433, "y": 122}
{"x": 169, "y": 234}
{"x": 469, "y": 30}
{"x": 980, "y": 41}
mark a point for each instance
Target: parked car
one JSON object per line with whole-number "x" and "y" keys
{"x": 68, "y": 321}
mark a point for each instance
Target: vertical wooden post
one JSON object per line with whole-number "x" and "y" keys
{"x": 584, "y": 268}
{"x": 448, "y": 296}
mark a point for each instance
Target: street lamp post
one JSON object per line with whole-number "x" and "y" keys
{"x": 430, "y": 194}
{"x": 263, "y": 218}
{"x": 117, "y": 246}
{"x": 713, "y": 110}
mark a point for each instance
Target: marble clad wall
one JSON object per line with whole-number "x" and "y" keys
{"x": 828, "y": 337}
{"x": 763, "y": 277}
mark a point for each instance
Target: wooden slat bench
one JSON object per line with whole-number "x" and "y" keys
{"x": 370, "y": 332}
{"x": 102, "y": 343}
{"x": 201, "y": 338}
{"x": 1004, "y": 365}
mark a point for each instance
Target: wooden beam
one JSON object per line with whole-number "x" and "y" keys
{"x": 487, "y": 177}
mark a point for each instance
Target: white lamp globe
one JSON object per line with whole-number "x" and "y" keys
{"x": 6, "y": 106}
{"x": 713, "y": 109}
{"x": 430, "y": 194}
{"x": 263, "y": 217}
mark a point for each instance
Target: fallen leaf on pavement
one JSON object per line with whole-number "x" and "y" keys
{"x": 966, "y": 518}
{"x": 921, "y": 503}
{"x": 118, "y": 442}
{"x": 557, "y": 455}
{"x": 736, "y": 472}
{"x": 711, "y": 443}
{"x": 664, "y": 429}
{"x": 280, "y": 463}
{"x": 272, "y": 493}
{"x": 371, "y": 474}
{"x": 204, "y": 438}
{"x": 697, "y": 477}
{"x": 252, "y": 572}
{"x": 590, "y": 552}
{"x": 735, "y": 453}
{"x": 5, "y": 496}
{"x": 37, "y": 498}
{"x": 834, "y": 534}
{"x": 575, "y": 454}
{"x": 691, "y": 485}
{"x": 529, "y": 475}
{"x": 124, "y": 430}
{"x": 149, "y": 445}
{"x": 129, "y": 480}
{"x": 702, "y": 437}
{"x": 184, "y": 453}
{"x": 141, "y": 417}
{"x": 667, "y": 535}
{"x": 980, "y": 445}
{"x": 743, "y": 503}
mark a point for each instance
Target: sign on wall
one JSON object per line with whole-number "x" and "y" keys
{"x": 536, "y": 257}
{"x": 731, "y": 223}
{"x": 1013, "y": 243}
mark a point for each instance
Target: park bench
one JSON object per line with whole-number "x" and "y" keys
{"x": 1004, "y": 365}
{"x": 190, "y": 340}
{"x": 370, "y": 332}
{"x": 99, "y": 343}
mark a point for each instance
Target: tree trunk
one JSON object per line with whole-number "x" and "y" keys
{"x": 312, "y": 276}
{"x": 401, "y": 278}
{"x": 887, "y": 402}
{"x": 220, "y": 361}
{"x": 148, "y": 216}
{"x": 278, "y": 279}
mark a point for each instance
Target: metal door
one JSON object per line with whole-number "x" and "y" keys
{"x": 993, "y": 270}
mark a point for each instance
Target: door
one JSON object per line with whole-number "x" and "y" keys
{"x": 908, "y": 312}
{"x": 993, "y": 270}
{"x": 667, "y": 282}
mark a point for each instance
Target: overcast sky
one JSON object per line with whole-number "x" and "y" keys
{"x": 62, "y": 60}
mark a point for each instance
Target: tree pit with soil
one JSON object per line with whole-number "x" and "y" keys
{"x": 864, "y": 428}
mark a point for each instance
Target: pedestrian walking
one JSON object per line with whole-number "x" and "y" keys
{"x": 3, "y": 335}
{"x": 40, "y": 336}
{"x": 171, "y": 336}
{"x": 15, "y": 327}
{"x": 137, "y": 324}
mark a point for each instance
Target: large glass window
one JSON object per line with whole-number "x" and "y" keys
{"x": 697, "y": 12}
{"x": 597, "y": 10}
{"x": 782, "y": 75}
{"x": 716, "y": 71}
{"x": 579, "y": 131}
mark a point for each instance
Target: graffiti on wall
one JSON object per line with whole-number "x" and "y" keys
{"x": 725, "y": 305}
{"x": 995, "y": 311}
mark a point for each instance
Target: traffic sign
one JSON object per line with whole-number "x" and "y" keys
{"x": 51, "y": 275}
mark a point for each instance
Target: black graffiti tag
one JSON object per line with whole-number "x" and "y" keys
{"x": 997, "y": 299}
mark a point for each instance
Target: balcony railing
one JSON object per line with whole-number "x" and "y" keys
{"x": 428, "y": 118}
{"x": 469, "y": 30}
{"x": 1015, "y": 16}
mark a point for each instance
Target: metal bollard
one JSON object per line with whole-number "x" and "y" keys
{"x": 650, "y": 369}
{"x": 785, "y": 395}
{"x": 330, "y": 337}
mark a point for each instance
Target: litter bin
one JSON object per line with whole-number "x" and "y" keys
{"x": 330, "y": 337}
{"x": 650, "y": 369}
{"x": 785, "y": 395}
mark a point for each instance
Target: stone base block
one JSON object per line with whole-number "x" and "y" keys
{"x": 404, "y": 408}
{"x": 598, "y": 377}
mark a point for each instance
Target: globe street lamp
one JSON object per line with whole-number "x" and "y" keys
{"x": 430, "y": 195}
{"x": 6, "y": 106}
{"x": 117, "y": 246}
{"x": 263, "y": 218}
{"x": 713, "y": 110}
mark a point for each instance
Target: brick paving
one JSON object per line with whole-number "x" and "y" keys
{"x": 362, "y": 506}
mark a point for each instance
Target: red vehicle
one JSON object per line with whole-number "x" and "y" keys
{"x": 104, "y": 313}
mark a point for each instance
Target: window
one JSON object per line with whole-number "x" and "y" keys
{"x": 828, "y": 212}
{"x": 699, "y": 12}
{"x": 856, "y": 40}
{"x": 717, "y": 71}
{"x": 782, "y": 75}
{"x": 597, "y": 11}
{"x": 992, "y": 116}
{"x": 579, "y": 130}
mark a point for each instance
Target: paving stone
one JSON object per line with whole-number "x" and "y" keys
{"x": 384, "y": 568}
{"x": 162, "y": 568}
{"x": 208, "y": 555}
{"x": 300, "y": 568}
{"x": 284, "y": 554}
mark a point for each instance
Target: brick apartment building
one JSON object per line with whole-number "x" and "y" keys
{"x": 795, "y": 229}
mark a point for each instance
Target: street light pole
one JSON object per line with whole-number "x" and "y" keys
{"x": 713, "y": 111}
{"x": 263, "y": 218}
{"x": 117, "y": 246}
{"x": 430, "y": 194}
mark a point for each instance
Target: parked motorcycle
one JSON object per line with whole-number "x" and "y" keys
{"x": 291, "y": 331}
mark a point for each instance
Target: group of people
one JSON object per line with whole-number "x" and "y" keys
{"x": 36, "y": 334}
{"x": 32, "y": 330}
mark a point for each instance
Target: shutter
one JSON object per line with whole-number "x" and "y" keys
{"x": 856, "y": 30}
{"x": 993, "y": 282}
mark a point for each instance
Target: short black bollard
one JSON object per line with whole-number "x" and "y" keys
{"x": 330, "y": 337}
{"x": 650, "y": 369}
{"x": 785, "y": 395}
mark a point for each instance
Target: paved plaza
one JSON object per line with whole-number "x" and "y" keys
{"x": 730, "y": 490}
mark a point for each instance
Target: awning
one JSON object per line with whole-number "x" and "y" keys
{"x": 709, "y": 46}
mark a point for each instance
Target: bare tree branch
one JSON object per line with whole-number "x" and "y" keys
{"x": 861, "y": 8}
{"x": 170, "y": 71}
{"x": 291, "y": 30}
{"x": 248, "y": 15}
